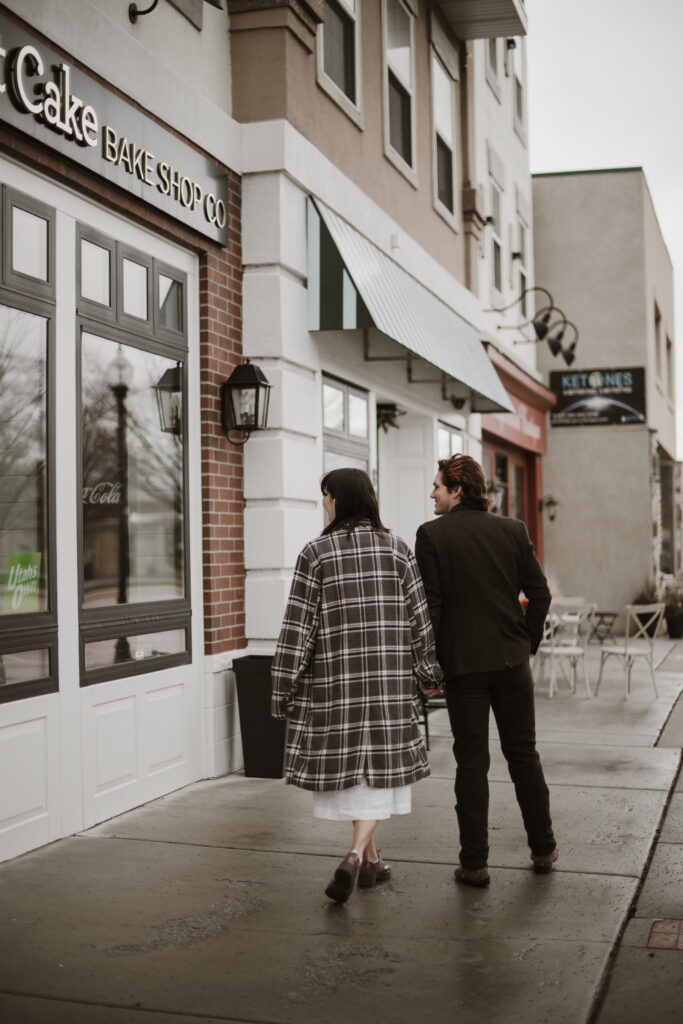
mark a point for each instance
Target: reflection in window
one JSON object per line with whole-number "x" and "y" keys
{"x": 29, "y": 243}
{"x": 135, "y": 289}
{"x": 333, "y": 408}
{"x": 170, "y": 303}
{"x": 143, "y": 647}
{"x": 23, "y": 478}
{"x": 132, "y": 498}
{"x": 23, "y": 666}
{"x": 95, "y": 272}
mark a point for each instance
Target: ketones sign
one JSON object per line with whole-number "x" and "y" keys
{"x": 67, "y": 110}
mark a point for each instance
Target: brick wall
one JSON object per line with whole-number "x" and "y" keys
{"x": 220, "y": 299}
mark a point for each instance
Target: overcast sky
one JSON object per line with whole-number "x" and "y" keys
{"x": 606, "y": 90}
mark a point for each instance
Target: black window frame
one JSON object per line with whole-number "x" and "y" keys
{"x": 30, "y": 631}
{"x": 114, "y": 620}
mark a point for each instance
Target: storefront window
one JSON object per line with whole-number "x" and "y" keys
{"x": 95, "y": 272}
{"x": 135, "y": 289}
{"x": 23, "y": 462}
{"x": 345, "y": 426}
{"x": 24, "y": 666}
{"x": 132, "y": 497}
{"x": 170, "y": 303}
{"x": 142, "y": 647}
{"x": 29, "y": 244}
{"x": 448, "y": 441}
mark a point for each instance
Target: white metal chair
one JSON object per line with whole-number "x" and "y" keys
{"x": 565, "y": 638}
{"x": 642, "y": 625}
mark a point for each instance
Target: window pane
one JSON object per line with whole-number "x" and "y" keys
{"x": 333, "y": 408}
{"x": 103, "y": 653}
{"x": 135, "y": 289}
{"x": 517, "y": 492}
{"x": 95, "y": 272}
{"x": 398, "y": 41}
{"x": 23, "y": 666}
{"x": 495, "y": 208}
{"x": 399, "y": 119}
{"x": 29, "y": 243}
{"x": 444, "y": 444}
{"x": 442, "y": 85}
{"x": 358, "y": 416}
{"x": 519, "y": 101}
{"x": 132, "y": 500}
{"x": 170, "y": 303}
{"x": 23, "y": 475}
{"x": 444, "y": 174}
{"x": 339, "y": 49}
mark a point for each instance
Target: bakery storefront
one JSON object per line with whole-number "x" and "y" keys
{"x": 106, "y": 215}
{"x": 512, "y": 448}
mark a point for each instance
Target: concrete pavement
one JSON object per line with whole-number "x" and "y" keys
{"x": 208, "y": 905}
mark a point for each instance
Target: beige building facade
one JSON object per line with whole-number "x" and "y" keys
{"x": 611, "y": 447}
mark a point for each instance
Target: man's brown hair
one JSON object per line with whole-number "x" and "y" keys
{"x": 465, "y": 472}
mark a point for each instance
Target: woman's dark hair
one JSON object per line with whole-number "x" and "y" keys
{"x": 464, "y": 471}
{"x": 354, "y": 497}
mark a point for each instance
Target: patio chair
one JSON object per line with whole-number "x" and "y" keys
{"x": 565, "y": 638}
{"x": 642, "y": 625}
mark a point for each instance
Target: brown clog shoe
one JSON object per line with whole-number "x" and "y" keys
{"x": 373, "y": 872}
{"x": 342, "y": 882}
{"x": 478, "y": 877}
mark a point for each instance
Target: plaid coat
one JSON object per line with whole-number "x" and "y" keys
{"x": 355, "y": 636}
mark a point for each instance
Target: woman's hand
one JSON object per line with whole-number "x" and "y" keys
{"x": 430, "y": 690}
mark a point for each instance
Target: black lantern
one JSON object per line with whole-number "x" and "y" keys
{"x": 170, "y": 400}
{"x": 244, "y": 401}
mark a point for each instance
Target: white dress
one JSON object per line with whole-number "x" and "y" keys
{"x": 361, "y": 803}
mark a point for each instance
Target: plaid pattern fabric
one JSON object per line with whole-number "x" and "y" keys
{"x": 355, "y": 637}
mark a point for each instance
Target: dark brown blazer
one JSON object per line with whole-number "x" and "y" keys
{"x": 474, "y": 565}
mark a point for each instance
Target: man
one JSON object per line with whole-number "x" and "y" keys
{"x": 474, "y": 565}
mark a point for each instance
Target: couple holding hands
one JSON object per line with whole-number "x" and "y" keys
{"x": 366, "y": 618}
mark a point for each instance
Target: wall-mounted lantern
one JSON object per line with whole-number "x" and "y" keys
{"x": 244, "y": 401}
{"x": 551, "y": 503}
{"x": 170, "y": 400}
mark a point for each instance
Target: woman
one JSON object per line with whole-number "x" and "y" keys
{"x": 356, "y": 634}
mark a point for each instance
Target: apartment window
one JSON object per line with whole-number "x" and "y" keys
{"x": 443, "y": 117}
{"x": 134, "y": 573}
{"x": 346, "y": 426}
{"x": 28, "y": 621}
{"x": 522, "y": 247}
{"x": 398, "y": 23}
{"x": 658, "y": 341}
{"x": 670, "y": 383}
{"x": 339, "y": 55}
{"x": 493, "y": 66}
{"x": 496, "y": 238}
{"x": 519, "y": 99}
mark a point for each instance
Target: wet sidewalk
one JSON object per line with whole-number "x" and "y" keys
{"x": 208, "y": 905}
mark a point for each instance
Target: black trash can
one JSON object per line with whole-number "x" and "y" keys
{"x": 263, "y": 737}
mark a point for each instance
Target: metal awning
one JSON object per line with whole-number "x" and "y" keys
{"x": 353, "y": 284}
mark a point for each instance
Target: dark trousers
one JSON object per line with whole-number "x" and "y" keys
{"x": 511, "y": 695}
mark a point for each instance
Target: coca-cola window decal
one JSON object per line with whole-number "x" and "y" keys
{"x": 132, "y": 483}
{"x": 23, "y": 473}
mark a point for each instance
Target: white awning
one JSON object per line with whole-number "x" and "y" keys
{"x": 357, "y": 285}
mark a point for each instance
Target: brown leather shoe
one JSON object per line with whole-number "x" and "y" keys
{"x": 478, "y": 877}
{"x": 543, "y": 864}
{"x": 373, "y": 872}
{"x": 342, "y": 882}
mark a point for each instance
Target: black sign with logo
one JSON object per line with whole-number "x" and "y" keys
{"x": 589, "y": 398}
{"x": 67, "y": 110}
